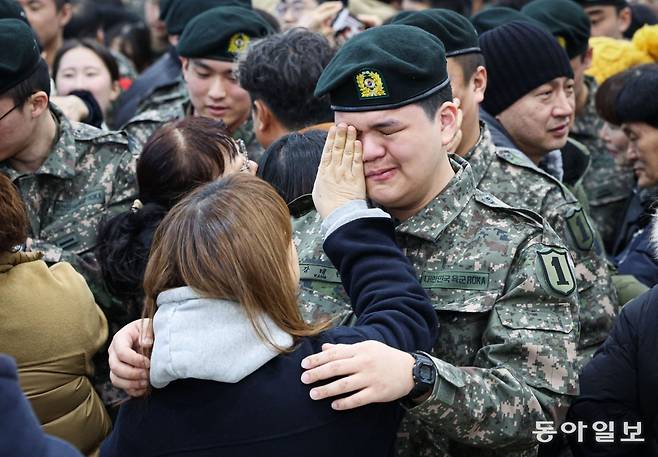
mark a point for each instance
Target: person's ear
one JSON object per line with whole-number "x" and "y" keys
{"x": 624, "y": 19}
{"x": 446, "y": 116}
{"x": 479, "y": 82}
{"x": 65, "y": 14}
{"x": 185, "y": 66}
{"x": 262, "y": 115}
{"x": 587, "y": 58}
{"x": 37, "y": 103}
{"x": 116, "y": 91}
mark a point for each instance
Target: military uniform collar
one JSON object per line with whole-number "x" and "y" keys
{"x": 482, "y": 154}
{"x": 63, "y": 155}
{"x": 430, "y": 222}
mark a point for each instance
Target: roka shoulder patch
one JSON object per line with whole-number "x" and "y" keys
{"x": 554, "y": 271}
{"x": 580, "y": 230}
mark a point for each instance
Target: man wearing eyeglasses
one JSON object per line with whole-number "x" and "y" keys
{"x": 70, "y": 175}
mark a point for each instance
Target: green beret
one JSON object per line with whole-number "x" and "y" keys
{"x": 165, "y": 5}
{"x": 222, "y": 33}
{"x": 566, "y": 21}
{"x": 181, "y": 12}
{"x": 21, "y": 59}
{"x": 384, "y": 68}
{"x": 618, "y": 3}
{"x": 496, "y": 16}
{"x": 10, "y": 9}
{"x": 455, "y": 31}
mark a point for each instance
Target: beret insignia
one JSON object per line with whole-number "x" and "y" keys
{"x": 238, "y": 43}
{"x": 370, "y": 84}
{"x": 562, "y": 41}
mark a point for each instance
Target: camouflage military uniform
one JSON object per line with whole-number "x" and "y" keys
{"x": 505, "y": 294}
{"x": 510, "y": 176}
{"x": 142, "y": 126}
{"x": 162, "y": 97}
{"x": 608, "y": 185}
{"x": 89, "y": 173}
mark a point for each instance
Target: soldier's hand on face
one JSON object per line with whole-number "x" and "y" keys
{"x": 372, "y": 371}
{"x": 340, "y": 177}
{"x": 129, "y": 368}
{"x": 73, "y": 107}
{"x": 457, "y": 138}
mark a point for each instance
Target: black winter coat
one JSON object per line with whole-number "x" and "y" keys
{"x": 620, "y": 383}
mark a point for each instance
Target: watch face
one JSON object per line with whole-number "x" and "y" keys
{"x": 426, "y": 373}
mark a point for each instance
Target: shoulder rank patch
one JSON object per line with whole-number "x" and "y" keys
{"x": 238, "y": 43}
{"x": 370, "y": 84}
{"x": 554, "y": 271}
{"x": 580, "y": 230}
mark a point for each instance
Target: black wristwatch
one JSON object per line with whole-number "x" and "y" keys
{"x": 424, "y": 375}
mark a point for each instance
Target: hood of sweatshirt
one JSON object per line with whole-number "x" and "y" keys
{"x": 208, "y": 338}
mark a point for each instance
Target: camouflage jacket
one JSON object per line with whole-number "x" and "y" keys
{"x": 142, "y": 126}
{"x": 505, "y": 293}
{"x": 608, "y": 185}
{"x": 512, "y": 177}
{"x": 88, "y": 174}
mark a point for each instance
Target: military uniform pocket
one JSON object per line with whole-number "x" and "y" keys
{"x": 537, "y": 316}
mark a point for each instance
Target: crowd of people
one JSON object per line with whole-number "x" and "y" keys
{"x": 328, "y": 228}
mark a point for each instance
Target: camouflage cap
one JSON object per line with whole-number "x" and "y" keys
{"x": 496, "y": 16}
{"x": 20, "y": 60}
{"x": 384, "y": 68}
{"x": 222, "y": 33}
{"x": 566, "y": 20}
{"x": 10, "y": 9}
{"x": 455, "y": 31}
{"x": 180, "y": 12}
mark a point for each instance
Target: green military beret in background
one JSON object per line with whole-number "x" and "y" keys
{"x": 181, "y": 12}
{"x": 384, "y": 68}
{"x": 455, "y": 31}
{"x": 20, "y": 60}
{"x": 222, "y": 33}
{"x": 10, "y": 9}
{"x": 165, "y": 5}
{"x": 619, "y": 3}
{"x": 566, "y": 20}
{"x": 495, "y": 16}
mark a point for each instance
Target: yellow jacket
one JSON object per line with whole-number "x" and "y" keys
{"x": 51, "y": 325}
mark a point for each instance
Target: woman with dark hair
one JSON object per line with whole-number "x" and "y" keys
{"x": 229, "y": 338}
{"x": 291, "y": 162}
{"x": 179, "y": 157}
{"x": 86, "y": 65}
{"x": 50, "y": 324}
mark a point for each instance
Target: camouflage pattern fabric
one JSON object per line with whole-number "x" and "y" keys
{"x": 162, "y": 97}
{"x": 608, "y": 185}
{"x": 141, "y": 127}
{"x": 505, "y": 293}
{"x": 510, "y": 176}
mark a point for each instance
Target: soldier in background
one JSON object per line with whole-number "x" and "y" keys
{"x": 209, "y": 46}
{"x": 609, "y": 18}
{"x": 608, "y": 184}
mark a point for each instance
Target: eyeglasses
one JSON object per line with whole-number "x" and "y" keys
{"x": 8, "y": 112}
{"x": 242, "y": 151}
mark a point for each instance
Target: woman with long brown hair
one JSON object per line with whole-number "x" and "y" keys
{"x": 229, "y": 340}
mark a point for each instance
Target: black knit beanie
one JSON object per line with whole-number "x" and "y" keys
{"x": 520, "y": 57}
